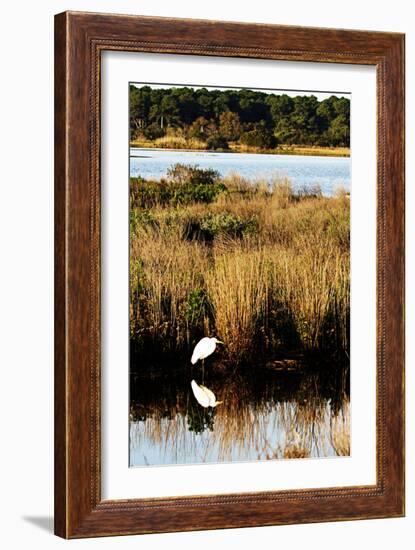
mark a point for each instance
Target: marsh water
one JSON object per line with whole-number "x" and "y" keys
{"x": 268, "y": 413}
{"x": 329, "y": 173}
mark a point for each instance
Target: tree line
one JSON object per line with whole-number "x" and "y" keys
{"x": 252, "y": 118}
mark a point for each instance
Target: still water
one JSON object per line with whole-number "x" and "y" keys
{"x": 329, "y": 173}
{"x": 265, "y": 415}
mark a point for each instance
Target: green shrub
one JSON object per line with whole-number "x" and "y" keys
{"x": 187, "y": 174}
{"x": 217, "y": 143}
{"x": 141, "y": 218}
{"x": 153, "y": 131}
{"x": 185, "y": 185}
{"x": 198, "y": 193}
{"x": 148, "y": 193}
{"x": 220, "y": 223}
{"x": 260, "y": 136}
{"x": 197, "y": 306}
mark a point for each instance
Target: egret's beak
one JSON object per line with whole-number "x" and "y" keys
{"x": 220, "y": 342}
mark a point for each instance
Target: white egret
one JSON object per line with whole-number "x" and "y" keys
{"x": 205, "y": 347}
{"x": 204, "y": 396}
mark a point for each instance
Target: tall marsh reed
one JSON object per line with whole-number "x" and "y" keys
{"x": 237, "y": 284}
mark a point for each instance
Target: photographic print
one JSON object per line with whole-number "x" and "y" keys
{"x": 239, "y": 274}
{"x": 226, "y": 340}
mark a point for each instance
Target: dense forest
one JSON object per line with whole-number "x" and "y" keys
{"x": 215, "y": 118}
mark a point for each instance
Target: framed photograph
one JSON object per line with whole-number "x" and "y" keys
{"x": 229, "y": 275}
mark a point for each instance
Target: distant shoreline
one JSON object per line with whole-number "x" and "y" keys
{"x": 307, "y": 151}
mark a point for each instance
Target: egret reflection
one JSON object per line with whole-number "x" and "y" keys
{"x": 267, "y": 416}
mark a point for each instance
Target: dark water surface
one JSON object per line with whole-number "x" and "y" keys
{"x": 274, "y": 412}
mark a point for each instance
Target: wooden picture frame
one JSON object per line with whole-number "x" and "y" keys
{"x": 79, "y": 40}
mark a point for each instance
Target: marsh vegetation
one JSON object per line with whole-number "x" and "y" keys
{"x": 263, "y": 267}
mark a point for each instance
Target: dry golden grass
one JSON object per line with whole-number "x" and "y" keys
{"x": 237, "y": 285}
{"x": 163, "y": 274}
{"x": 340, "y": 431}
{"x": 314, "y": 150}
{"x": 170, "y": 142}
{"x": 177, "y": 140}
{"x": 273, "y": 259}
{"x": 296, "y": 451}
{"x": 311, "y": 281}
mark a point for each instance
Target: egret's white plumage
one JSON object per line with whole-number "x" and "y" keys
{"x": 204, "y": 396}
{"x": 205, "y": 347}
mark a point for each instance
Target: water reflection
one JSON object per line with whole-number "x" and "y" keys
{"x": 266, "y": 414}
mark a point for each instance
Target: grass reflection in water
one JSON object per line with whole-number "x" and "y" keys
{"x": 271, "y": 414}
